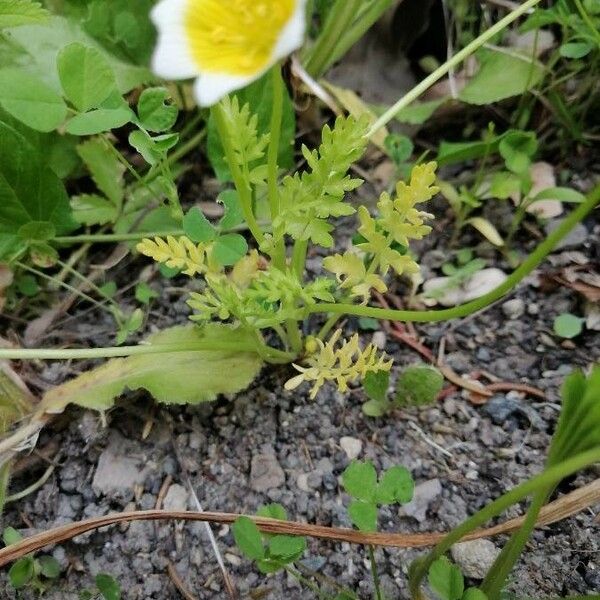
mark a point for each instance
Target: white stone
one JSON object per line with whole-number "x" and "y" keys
{"x": 176, "y": 498}
{"x": 351, "y": 446}
{"x": 475, "y": 558}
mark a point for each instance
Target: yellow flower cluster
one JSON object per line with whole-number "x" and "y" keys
{"x": 399, "y": 222}
{"x": 343, "y": 365}
{"x": 179, "y": 253}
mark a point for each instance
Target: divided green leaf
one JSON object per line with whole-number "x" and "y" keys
{"x": 248, "y": 538}
{"x": 446, "y": 580}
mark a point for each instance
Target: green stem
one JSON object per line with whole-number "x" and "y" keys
{"x": 375, "y": 574}
{"x": 122, "y": 351}
{"x": 299, "y": 258}
{"x": 588, "y": 21}
{"x": 109, "y": 238}
{"x": 307, "y": 582}
{"x": 338, "y": 21}
{"x": 272, "y": 156}
{"x": 294, "y": 336}
{"x": 463, "y": 310}
{"x": 328, "y": 326}
{"x": 186, "y": 147}
{"x": 62, "y": 284}
{"x": 444, "y": 69}
{"x": 495, "y": 579}
{"x": 550, "y": 477}
{"x": 241, "y": 183}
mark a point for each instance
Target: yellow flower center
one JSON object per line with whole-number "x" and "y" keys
{"x": 236, "y": 37}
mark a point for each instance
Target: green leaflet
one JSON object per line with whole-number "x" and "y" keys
{"x": 187, "y": 376}
{"x": 21, "y": 12}
{"x": 29, "y": 192}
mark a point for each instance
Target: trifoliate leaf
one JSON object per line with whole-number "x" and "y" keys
{"x": 197, "y": 227}
{"x": 272, "y": 511}
{"x": 30, "y": 100}
{"x": 395, "y": 485}
{"x": 360, "y": 480}
{"x": 21, "y": 12}
{"x": 229, "y": 249}
{"x": 154, "y": 110}
{"x": 248, "y": 538}
{"x": 363, "y": 515}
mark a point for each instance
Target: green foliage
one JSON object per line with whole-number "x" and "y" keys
{"x": 107, "y": 588}
{"x": 446, "y": 580}
{"x": 395, "y": 486}
{"x": 417, "y": 385}
{"x": 186, "y": 373}
{"x": 29, "y": 193}
{"x": 30, "y": 571}
{"x": 258, "y": 96}
{"x": 21, "y": 12}
{"x": 568, "y": 326}
{"x": 271, "y": 552}
{"x": 307, "y": 201}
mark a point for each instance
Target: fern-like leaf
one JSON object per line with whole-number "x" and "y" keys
{"x": 21, "y": 12}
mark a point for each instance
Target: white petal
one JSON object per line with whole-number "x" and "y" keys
{"x": 292, "y": 35}
{"x": 211, "y": 87}
{"x": 172, "y": 57}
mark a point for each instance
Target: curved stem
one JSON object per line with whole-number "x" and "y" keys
{"x": 123, "y": 351}
{"x": 549, "y": 477}
{"x": 272, "y": 156}
{"x": 241, "y": 183}
{"x": 444, "y": 69}
{"x": 338, "y": 22}
{"x": 463, "y": 310}
{"x": 375, "y": 574}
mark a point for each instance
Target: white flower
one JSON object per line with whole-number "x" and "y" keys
{"x": 225, "y": 44}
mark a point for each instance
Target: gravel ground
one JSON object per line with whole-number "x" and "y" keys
{"x": 268, "y": 445}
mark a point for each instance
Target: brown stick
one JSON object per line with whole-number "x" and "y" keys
{"x": 555, "y": 511}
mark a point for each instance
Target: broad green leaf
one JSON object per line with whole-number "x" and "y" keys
{"x": 36, "y": 48}
{"x": 106, "y": 170}
{"x": 21, "y": 573}
{"x": 501, "y": 76}
{"x": 153, "y": 149}
{"x": 369, "y": 324}
{"x": 21, "y": 12}
{"x": 560, "y": 193}
{"x": 29, "y": 191}
{"x": 395, "y": 485}
{"x": 360, "y": 480}
{"x": 517, "y": 148}
{"x": 50, "y": 567}
{"x": 37, "y": 231}
{"x": 474, "y": 594}
{"x": 98, "y": 121}
{"x": 191, "y": 375}
{"x": 373, "y": 408}
{"x": 234, "y": 214}
{"x": 363, "y": 515}
{"x": 576, "y": 49}
{"x": 248, "y": 538}
{"x": 503, "y": 185}
{"x": 446, "y": 580}
{"x": 376, "y": 384}
{"x": 28, "y": 285}
{"x": 197, "y": 227}
{"x": 272, "y": 511}
{"x": 419, "y": 112}
{"x": 286, "y": 547}
{"x": 91, "y": 209}
{"x": 11, "y": 536}
{"x": 399, "y": 147}
{"x": 86, "y": 76}
{"x": 229, "y": 249}
{"x": 144, "y": 293}
{"x": 418, "y": 385}
{"x": 568, "y": 326}
{"x": 30, "y": 100}
{"x": 108, "y": 586}
{"x": 154, "y": 111}
{"x": 487, "y": 230}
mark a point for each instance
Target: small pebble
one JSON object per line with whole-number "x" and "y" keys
{"x": 351, "y": 446}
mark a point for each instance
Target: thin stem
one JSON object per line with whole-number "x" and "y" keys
{"x": 588, "y": 21}
{"x": 463, "y": 310}
{"x": 109, "y": 238}
{"x": 495, "y": 579}
{"x": 299, "y": 257}
{"x": 328, "y": 326}
{"x": 550, "y": 477}
{"x": 272, "y": 156}
{"x": 375, "y": 574}
{"x": 33, "y": 487}
{"x": 241, "y": 183}
{"x": 444, "y": 69}
{"x": 62, "y": 284}
{"x": 186, "y": 147}
{"x": 338, "y": 21}
{"x": 294, "y": 336}
{"x": 122, "y": 351}
{"x": 307, "y": 582}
